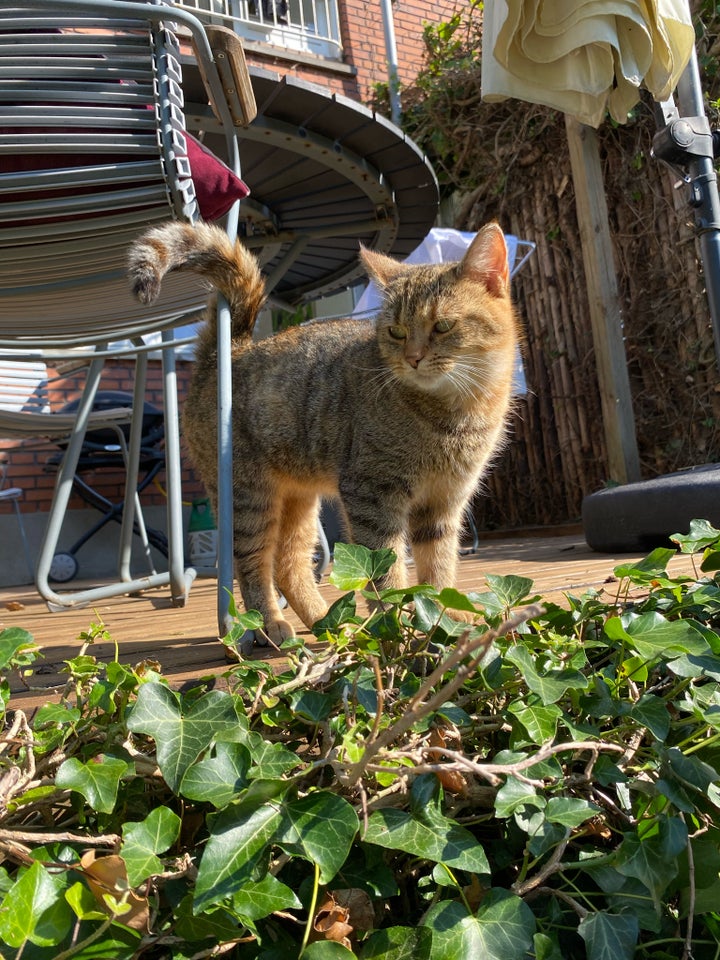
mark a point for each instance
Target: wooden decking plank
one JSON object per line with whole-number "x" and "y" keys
{"x": 184, "y": 639}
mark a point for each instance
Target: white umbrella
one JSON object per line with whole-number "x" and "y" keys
{"x": 584, "y": 57}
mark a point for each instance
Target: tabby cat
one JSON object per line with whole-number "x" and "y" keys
{"x": 398, "y": 418}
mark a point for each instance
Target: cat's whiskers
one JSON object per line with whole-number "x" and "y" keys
{"x": 381, "y": 380}
{"x": 468, "y": 377}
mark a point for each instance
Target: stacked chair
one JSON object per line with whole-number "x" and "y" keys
{"x": 93, "y": 150}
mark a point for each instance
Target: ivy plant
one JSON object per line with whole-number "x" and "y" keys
{"x": 433, "y": 775}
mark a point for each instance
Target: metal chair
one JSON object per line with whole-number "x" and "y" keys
{"x": 105, "y": 450}
{"x": 13, "y": 495}
{"x": 93, "y": 149}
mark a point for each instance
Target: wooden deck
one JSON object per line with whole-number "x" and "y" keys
{"x": 184, "y": 640}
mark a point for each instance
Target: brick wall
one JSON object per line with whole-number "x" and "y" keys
{"x": 364, "y": 50}
{"x": 364, "y": 39}
{"x": 28, "y": 465}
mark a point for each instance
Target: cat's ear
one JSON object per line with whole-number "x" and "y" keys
{"x": 380, "y": 268}
{"x": 486, "y": 260}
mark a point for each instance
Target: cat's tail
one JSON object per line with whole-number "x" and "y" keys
{"x": 207, "y": 250}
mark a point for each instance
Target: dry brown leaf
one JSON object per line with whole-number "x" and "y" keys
{"x": 596, "y": 828}
{"x": 331, "y": 922}
{"x": 452, "y": 780}
{"x": 474, "y": 893}
{"x": 436, "y": 737}
{"x": 14, "y": 605}
{"x": 108, "y": 875}
{"x": 147, "y": 666}
{"x": 359, "y": 906}
{"x": 341, "y": 913}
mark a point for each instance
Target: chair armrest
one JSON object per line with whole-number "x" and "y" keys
{"x": 230, "y": 62}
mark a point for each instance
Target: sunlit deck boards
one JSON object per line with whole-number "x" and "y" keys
{"x": 184, "y": 640}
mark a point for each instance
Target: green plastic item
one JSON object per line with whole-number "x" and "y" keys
{"x": 201, "y": 516}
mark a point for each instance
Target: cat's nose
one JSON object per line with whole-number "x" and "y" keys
{"x": 414, "y": 355}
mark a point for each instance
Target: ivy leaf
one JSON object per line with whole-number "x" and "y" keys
{"x": 609, "y": 936}
{"x": 97, "y": 780}
{"x": 510, "y": 590}
{"x": 653, "y": 636}
{"x": 143, "y": 839}
{"x": 696, "y": 667}
{"x": 354, "y": 565}
{"x": 14, "y": 641}
{"x": 514, "y": 795}
{"x": 327, "y": 950}
{"x": 341, "y": 612}
{"x": 652, "y": 567}
{"x": 702, "y": 534}
{"x": 710, "y": 561}
{"x": 56, "y": 715}
{"x": 180, "y": 737}
{"x": 312, "y": 705}
{"x": 398, "y": 943}
{"x": 269, "y": 760}
{"x": 426, "y": 613}
{"x": 219, "y": 779}
{"x": 320, "y": 828}
{"x": 550, "y": 686}
{"x": 454, "y": 600}
{"x": 238, "y": 839}
{"x": 570, "y": 811}
{"x": 652, "y": 712}
{"x": 546, "y": 948}
{"x": 502, "y": 929}
{"x": 83, "y": 903}
{"x": 540, "y": 722}
{"x": 693, "y": 772}
{"x": 257, "y": 900}
{"x": 35, "y": 910}
{"x": 218, "y": 925}
{"x": 653, "y": 859}
{"x": 439, "y": 842}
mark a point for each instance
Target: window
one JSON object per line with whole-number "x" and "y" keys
{"x": 304, "y": 26}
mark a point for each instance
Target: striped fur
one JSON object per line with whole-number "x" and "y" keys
{"x": 399, "y": 419}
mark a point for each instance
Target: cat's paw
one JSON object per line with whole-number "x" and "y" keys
{"x": 274, "y": 631}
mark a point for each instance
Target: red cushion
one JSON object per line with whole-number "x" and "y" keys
{"x": 216, "y": 186}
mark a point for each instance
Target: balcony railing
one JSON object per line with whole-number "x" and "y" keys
{"x": 303, "y": 26}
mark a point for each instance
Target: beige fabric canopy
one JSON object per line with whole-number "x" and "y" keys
{"x": 584, "y": 57}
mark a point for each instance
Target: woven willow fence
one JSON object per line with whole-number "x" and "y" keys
{"x": 511, "y": 162}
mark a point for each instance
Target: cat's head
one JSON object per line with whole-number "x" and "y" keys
{"x": 448, "y": 328}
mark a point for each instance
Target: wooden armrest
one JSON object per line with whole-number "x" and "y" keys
{"x": 229, "y": 56}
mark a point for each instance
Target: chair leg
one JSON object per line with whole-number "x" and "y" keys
{"x": 64, "y": 481}
{"x": 131, "y": 504}
{"x": 63, "y": 488}
{"x": 225, "y": 492}
{"x": 180, "y": 578}
{"x": 23, "y": 537}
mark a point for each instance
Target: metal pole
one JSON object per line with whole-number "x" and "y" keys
{"x": 704, "y": 195}
{"x": 685, "y": 142}
{"x": 392, "y": 60}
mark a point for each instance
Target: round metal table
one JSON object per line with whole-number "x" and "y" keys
{"x": 325, "y": 174}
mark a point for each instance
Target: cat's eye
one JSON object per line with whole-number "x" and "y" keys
{"x": 397, "y": 332}
{"x": 443, "y": 326}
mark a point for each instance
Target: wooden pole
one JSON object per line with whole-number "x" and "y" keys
{"x": 605, "y": 318}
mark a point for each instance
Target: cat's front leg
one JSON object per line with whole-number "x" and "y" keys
{"x": 435, "y": 541}
{"x": 376, "y": 519}
{"x": 256, "y": 531}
